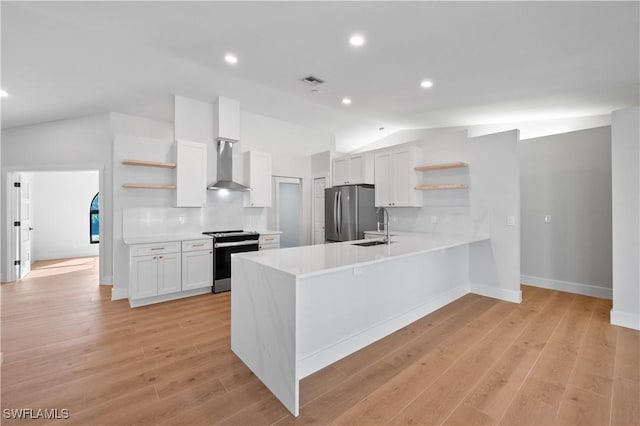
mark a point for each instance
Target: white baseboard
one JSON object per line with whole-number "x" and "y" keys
{"x": 514, "y": 296}
{"x": 330, "y": 354}
{"x": 567, "y": 286}
{"x": 625, "y": 319}
{"x": 66, "y": 254}
{"x": 119, "y": 293}
{"x": 166, "y": 297}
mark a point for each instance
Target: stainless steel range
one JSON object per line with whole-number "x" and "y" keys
{"x": 225, "y": 243}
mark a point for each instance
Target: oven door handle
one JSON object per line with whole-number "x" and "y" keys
{"x": 237, "y": 243}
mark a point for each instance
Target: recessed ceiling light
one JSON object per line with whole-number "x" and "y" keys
{"x": 346, "y": 101}
{"x": 3, "y": 94}
{"x": 356, "y": 40}
{"x": 426, "y": 83}
{"x": 231, "y": 58}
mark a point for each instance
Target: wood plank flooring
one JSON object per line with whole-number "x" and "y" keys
{"x": 554, "y": 359}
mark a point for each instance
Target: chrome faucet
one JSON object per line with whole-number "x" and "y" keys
{"x": 385, "y": 216}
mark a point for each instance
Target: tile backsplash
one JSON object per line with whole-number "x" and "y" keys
{"x": 222, "y": 212}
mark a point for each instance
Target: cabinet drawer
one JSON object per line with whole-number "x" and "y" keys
{"x": 269, "y": 239}
{"x": 159, "y": 248}
{"x": 269, "y": 246}
{"x": 193, "y": 245}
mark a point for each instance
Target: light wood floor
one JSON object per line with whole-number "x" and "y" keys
{"x": 554, "y": 359}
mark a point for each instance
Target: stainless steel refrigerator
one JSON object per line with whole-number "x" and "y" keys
{"x": 348, "y": 212}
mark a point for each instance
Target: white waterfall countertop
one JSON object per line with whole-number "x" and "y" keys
{"x": 318, "y": 259}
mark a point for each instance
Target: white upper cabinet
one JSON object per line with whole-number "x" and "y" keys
{"x": 226, "y": 119}
{"x": 257, "y": 176}
{"x": 191, "y": 174}
{"x": 396, "y": 179}
{"x": 352, "y": 170}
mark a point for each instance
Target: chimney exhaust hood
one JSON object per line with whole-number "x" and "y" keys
{"x": 226, "y": 131}
{"x": 224, "y": 150}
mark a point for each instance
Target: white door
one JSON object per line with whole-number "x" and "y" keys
{"x": 340, "y": 171}
{"x": 197, "y": 269}
{"x": 260, "y": 179}
{"x": 191, "y": 174}
{"x": 144, "y": 276}
{"x": 319, "y": 184}
{"x": 356, "y": 169}
{"x": 169, "y": 277}
{"x": 400, "y": 178}
{"x": 382, "y": 180}
{"x": 25, "y": 228}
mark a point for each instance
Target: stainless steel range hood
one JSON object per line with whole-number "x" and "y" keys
{"x": 225, "y": 181}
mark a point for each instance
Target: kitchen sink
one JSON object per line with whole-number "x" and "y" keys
{"x": 370, "y": 243}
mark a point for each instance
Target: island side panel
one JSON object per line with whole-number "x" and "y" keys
{"x": 263, "y": 306}
{"x": 344, "y": 311}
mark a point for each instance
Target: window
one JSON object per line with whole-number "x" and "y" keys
{"x": 94, "y": 220}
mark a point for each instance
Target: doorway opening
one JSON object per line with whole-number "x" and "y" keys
{"x": 288, "y": 202}
{"x": 54, "y": 224}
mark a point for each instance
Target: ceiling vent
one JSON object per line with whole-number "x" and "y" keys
{"x": 312, "y": 81}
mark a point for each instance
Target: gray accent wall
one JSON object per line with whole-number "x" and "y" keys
{"x": 568, "y": 177}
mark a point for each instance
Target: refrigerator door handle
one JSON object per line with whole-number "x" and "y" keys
{"x": 335, "y": 212}
{"x": 339, "y": 212}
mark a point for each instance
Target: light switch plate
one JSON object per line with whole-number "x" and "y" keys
{"x": 511, "y": 221}
{"x": 547, "y": 218}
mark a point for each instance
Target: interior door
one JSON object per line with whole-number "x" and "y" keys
{"x": 25, "y": 228}
{"x": 319, "y": 185}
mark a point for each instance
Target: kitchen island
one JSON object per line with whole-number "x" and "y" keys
{"x": 297, "y": 310}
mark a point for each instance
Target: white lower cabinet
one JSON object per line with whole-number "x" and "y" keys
{"x": 269, "y": 241}
{"x": 197, "y": 269}
{"x": 169, "y": 269}
{"x": 169, "y": 266}
{"x": 156, "y": 274}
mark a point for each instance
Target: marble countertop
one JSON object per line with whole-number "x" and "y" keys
{"x": 322, "y": 258}
{"x": 151, "y": 239}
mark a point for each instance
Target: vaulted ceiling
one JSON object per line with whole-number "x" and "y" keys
{"x": 490, "y": 62}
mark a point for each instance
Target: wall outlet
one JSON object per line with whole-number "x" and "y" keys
{"x": 547, "y": 218}
{"x": 433, "y": 219}
{"x": 181, "y": 220}
{"x": 511, "y": 221}
{"x": 357, "y": 271}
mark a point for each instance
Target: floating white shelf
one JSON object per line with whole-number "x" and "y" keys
{"x": 148, "y": 186}
{"x": 149, "y": 164}
{"x": 441, "y": 186}
{"x": 443, "y": 166}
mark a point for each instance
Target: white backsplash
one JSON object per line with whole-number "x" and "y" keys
{"x": 449, "y": 220}
{"x": 222, "y": 212}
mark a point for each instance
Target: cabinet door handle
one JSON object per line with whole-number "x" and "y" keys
{"x": 210, "y": 252}
{"x": 160, "y": 257}
{"x": 157, "y": 248}
{"x": 197, "y": 245}
{"x": 268, "y": 239}
{"x": 154, "y": 257}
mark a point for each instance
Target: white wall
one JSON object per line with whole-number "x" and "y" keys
{"x": 568, "y": 177}
{"x": 625, "y": 180}
{"x": 60, "y": 219}
{"x": 493, "y": 177}
{"x": 289, "y": 144}
{"x": 494, "y": 266}
{"x": 78, "y": 144}
{"x": 140, "y": 212}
